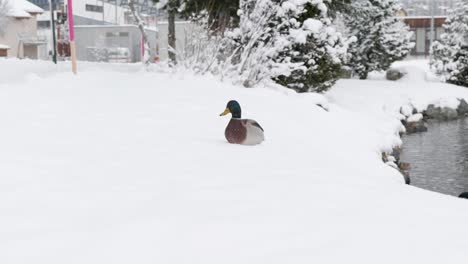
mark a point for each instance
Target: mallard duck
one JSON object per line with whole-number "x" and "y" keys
{"x": 241, "y": 131}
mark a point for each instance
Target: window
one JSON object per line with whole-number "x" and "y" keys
{"x": 43, "y": 24}
{"x": 413, "y": 36}
{"x": 94, "y": 8}
{"x": 112, "y": 34}
{"x": 116, "y": 34}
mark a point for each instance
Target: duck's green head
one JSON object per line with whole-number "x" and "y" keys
{"x": 234, "y": 108}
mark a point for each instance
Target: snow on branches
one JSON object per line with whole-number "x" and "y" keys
{"x": 291, "y": 42}
{"x": 380, "y": 38}
{"x": 448, "y": 55}
{"x": 141, "y": 25}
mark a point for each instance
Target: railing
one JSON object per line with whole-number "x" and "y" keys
{"x": 32, "y": 39}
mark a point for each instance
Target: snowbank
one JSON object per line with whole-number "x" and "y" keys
{"x": 117, "y": 165}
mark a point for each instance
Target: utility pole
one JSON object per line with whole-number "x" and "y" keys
{"x": 52, "y": 26}
{"x": 172, "y": 9}
{"x": 432, "y": 22}
{"x": 116, "y": 21}
{"x": 71, "y": 28}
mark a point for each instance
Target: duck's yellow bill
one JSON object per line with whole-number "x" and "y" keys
{"x": 225, "y": 112}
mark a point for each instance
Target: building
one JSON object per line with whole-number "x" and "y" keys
{"x": 418, "y": 15}
{"x": 103, "y": 12}
{"x": 44, "y": 4}
{"x": 421, "y": 28}
{"x": 20, "y": 38}
{"x": 426, "y": 8}
{"x": 97, "y": 22}
{"x": 123, "y": 43}
{"x": 112, "y": 43}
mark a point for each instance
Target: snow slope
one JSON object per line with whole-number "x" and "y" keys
{"x": 119, "y": 165}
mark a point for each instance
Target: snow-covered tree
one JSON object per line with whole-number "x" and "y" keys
{"x": 218, "y": 12}
{"x": 455, "y": 36}
{"x": 337, "y": 7}
{"x": 141, "y": 25}
{"x": 204, "y": 50}
{"x": 315, "y": 46}
{"x": 4, "y": 9}
{"x": 252, "y": 43}
{"x": 172, "y": 7}
{"x": 289, "y": 41}
{"x": 459, "y": 71}
{"x": 380, "y": 38}
{"x": 221, "y": 14}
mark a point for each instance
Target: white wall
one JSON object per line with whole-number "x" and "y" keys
{"x": 111, "y": 14}
{"x": 15, "y": 26}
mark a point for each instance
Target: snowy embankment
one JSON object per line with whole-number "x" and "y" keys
{"x": 132, "y": 167}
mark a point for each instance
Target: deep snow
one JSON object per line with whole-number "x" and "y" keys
{"x": 120, "y": 165}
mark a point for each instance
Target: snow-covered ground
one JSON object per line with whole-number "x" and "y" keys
{"x": 119, "y": 165}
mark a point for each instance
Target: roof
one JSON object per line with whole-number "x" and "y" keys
{"x": 23, "y": 9}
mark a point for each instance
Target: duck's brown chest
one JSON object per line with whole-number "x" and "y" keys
{"x": 236, "y": 131}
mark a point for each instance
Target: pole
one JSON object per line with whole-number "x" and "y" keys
{"x": 142, "y": 48}
{"x": 116, "y": 20}
{"x": 52, "y": 26}
{"x": 156, "y": 57}
{"x": 72, "y": 35}
{"x": 432, "y": 22}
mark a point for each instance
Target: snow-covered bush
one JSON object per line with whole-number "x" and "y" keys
{"x": 444, "y": 51}
{"x": 253, "y": 42}
{"x": 459, "y": 72}
{"x": 315, "y": 45}
{"x": 440, "y": 57}
{"x": 218, "y": 15}
{"x": 204, "y": 50}
{"x": 291, "y": 42}
{"x": 380, "y": 38}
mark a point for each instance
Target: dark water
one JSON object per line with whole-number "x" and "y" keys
{"x": 439, "y": 157}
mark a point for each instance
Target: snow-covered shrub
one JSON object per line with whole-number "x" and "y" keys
{"x": 315, "y": 45}
{"x": 204, "y": 50}
{"x": 253, "y": 42}
{"x": 443, "y": 52}
{"x": 291, "y": 42}
{"x": 440, "y": 57}
{"x": 459, "y": 72}
{"x": 210, "y": 19}
{"x": 380, "y": 38}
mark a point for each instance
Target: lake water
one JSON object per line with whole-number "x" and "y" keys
{"x": 439, "y": 157}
